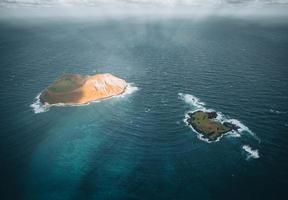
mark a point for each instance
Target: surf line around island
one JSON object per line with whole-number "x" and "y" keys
{"x": 196, "y": 105}
{"x": 78, "y": 90}
{"x": 39, "y": 107}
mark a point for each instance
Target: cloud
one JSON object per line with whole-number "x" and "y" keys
{"x": 161, "y": 3}
{"x": 120, "y": 8}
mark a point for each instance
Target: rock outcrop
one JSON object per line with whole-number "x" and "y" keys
{"x": 206, "y": 124}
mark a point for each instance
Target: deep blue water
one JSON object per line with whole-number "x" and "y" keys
{"x": 137, "y": 146}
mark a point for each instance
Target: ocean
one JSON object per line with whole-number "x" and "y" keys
{"x": 138, "y": 146}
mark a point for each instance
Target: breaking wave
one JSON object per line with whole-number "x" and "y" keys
{"x": 192, "y": 100}
{"x": 277, "y": 111}
{"x": 197, "y": 104}
{"x": 131, "y": 88}
{"x": 250, "y": 152}
{"x": 38, "y": 107}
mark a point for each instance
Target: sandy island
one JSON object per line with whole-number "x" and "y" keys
{"x": 77, "y": 89}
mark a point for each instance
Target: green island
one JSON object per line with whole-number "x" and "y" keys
{"x": 206, "y": 124}
{"x": 67, "y": 83}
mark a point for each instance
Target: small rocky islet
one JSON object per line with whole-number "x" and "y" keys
{"x": 206, "y": 124}
{"x": 78, "y": 89}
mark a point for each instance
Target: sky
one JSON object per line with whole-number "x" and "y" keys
{"x": 167, "y": 3}
{"x": 140, "y": 7}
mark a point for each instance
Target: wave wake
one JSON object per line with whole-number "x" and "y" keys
{"x": 250, "y": 152}
{"x": 197, "y": 104}
{"x": 192, "y": 100}
{"x": 277, "y": 111}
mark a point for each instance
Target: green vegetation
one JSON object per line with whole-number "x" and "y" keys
{"x": 67, "y": 83}
{"x": 206, "y": 124}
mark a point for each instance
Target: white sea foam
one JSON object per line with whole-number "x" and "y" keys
{"x": 38, "y": 107}
{"x": 277, "y": 111}
{"x": 234, "y": 134}
{"x": 131, "y": 88}
{"x": 192, "y": 100}
{"x": 250, "y": 152}
{"x": 147, "y": 110}
{"x": 242, "y": 128}
{"x": 197, "y": 104}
